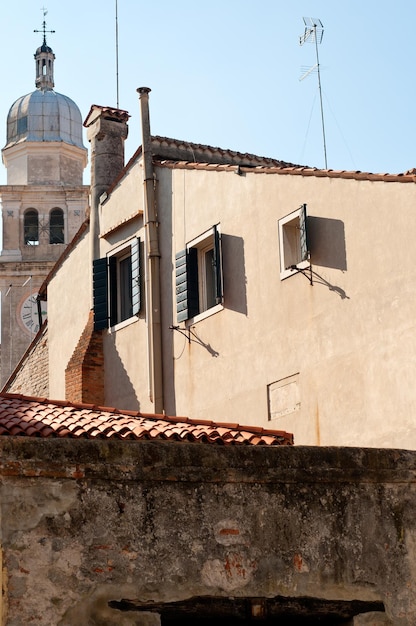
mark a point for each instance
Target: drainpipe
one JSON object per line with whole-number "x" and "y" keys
{"x": 154, "y": 330}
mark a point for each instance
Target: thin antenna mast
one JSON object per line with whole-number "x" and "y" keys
{"x": 314, "y": 32}
{"x": 117, "y": 88}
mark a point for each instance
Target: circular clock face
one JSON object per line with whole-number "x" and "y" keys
{"x": 28, "y": 313}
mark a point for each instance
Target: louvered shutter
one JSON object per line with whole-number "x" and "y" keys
{"x": 100, "y": 294}
{"x": 112, "y": 273}
{"x": 187, "y": 296}
{"x": 304, "y": 249}
{"x": 218, "y": 266}
{"x": 181, "y": 286}
{"x": 135, "y": 276}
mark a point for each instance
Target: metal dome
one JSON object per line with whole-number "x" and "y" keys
{"x": 44, "y": 48}
{"x": 44, "y": 115}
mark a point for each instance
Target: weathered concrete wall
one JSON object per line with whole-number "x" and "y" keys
{"x": 101, "y": 532}
{"x": 68, "y": 312}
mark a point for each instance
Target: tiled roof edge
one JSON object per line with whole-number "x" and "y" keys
{"x": 255, "y": 430}
{"x": 406, "y": 177}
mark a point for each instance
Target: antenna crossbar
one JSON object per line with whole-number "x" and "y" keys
{"x": 314, "y": 32}
{"x": 307, "y": 71}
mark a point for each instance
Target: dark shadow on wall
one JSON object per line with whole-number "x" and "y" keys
{"x": 326, "y": 238}
{"x": 235, "y": 279}
{"x": 164, "y": 197}
{"x": 122, "y": 396}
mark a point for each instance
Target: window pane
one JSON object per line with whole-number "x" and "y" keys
{"x": 210, "y": 279}
{"x": 125, "y": 283}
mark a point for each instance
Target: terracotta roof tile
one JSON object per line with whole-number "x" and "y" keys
{"x": 23, "y": 416}
{"x": 294, "y": 170}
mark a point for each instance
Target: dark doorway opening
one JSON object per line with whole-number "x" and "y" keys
{"x": 214, "y": 611}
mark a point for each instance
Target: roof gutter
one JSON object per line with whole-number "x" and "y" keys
{"x": 153, "y": 316}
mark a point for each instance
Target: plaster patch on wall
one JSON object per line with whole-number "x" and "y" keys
{"x": 283, "y": 397}
{"x": 228, "y": 532}
{"x": 234, "y": 572}
{"x": 25, "y": 505}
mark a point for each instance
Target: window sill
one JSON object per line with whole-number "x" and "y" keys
{"x": 201, "y": 316}
{"x": 302, "y": 265}
{"x": 123, "y": 324}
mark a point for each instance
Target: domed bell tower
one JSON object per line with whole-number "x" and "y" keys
{"x": 43, "y": 204}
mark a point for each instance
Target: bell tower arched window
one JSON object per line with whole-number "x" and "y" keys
{"x": 56, "y": 226}
{"x": 31, "y": 227}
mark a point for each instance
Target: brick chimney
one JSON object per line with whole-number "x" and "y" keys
{"x": 106, "y": 131}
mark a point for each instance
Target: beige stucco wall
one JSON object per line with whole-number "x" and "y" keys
{"x": 69, "y": 303}
{"x": 345, "y": 346}
{"x": 125, "y": 346}
{"x": 126, "y": 202}
{"x": 349, "y": 337}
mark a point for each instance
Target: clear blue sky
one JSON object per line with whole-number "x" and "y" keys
{"x": 226, "y": 73}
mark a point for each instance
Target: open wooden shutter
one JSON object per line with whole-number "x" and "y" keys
{"x": 100, "y": 294}
{"x": 187, "y": 296}
{"x": 304, "y": 248}
{"x": 135, "y": 276}
{"x": 181, "y": 286}
{"x": 112, "y": 275}
{"x": 218, "y": 266}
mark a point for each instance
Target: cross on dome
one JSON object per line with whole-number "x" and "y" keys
{"x": 44, "y": 58}
{"x": 44, "y": 31}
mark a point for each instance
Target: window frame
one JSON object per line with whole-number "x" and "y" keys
{"x": 293, "y": 246}
{"x": 107, "y": 278}
{"x": 193, "y": 300}
{"x": 120, "y": 285}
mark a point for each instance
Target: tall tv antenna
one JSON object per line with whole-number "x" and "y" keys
{"x": 117, "y": 85}
{"x": 314, "y": 32}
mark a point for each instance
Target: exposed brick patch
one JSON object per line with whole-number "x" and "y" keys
{"x": 84, "y": 374}
{"x": 31, "y": 376}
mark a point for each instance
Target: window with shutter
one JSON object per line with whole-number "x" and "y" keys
{"x": 116, "y": 286}
{"x": 199, "y": 276}
{"x": 293, "y": 242}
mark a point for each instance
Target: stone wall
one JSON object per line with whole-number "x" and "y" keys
{"x": 109, "y": 532}
{"x": 32, "y": 374}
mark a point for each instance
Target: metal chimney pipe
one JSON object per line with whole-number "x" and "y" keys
{"x": 153, "y": 301}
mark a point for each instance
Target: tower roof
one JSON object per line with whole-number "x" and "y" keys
{"x": 44, "y": 115}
